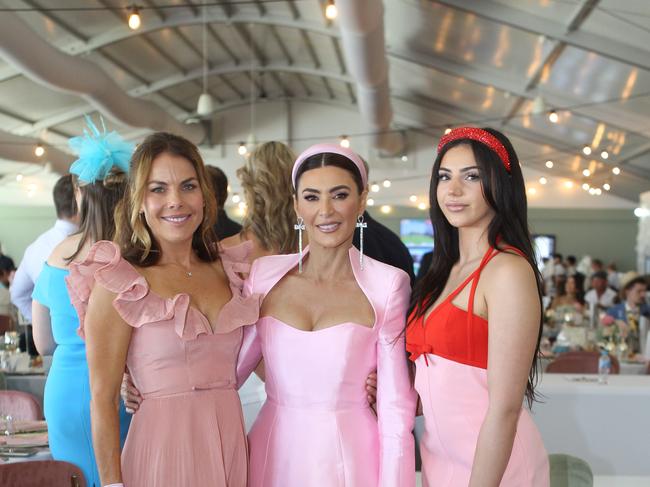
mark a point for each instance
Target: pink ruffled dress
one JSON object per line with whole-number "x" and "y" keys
{"x": 189, "y": 429}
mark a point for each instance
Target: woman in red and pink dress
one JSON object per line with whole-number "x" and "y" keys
{"x": 476, "y": 321}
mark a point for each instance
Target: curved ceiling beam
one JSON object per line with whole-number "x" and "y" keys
{"x": 177, "y": 79}
{"x": 21, "y": 149}
{"x": 48, "y": 66}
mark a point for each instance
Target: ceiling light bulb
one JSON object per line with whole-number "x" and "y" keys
{"x": 386, "y": 183}
{"x": 568, "y": 184}
{"x": 532, "y": 191}
{"x": 205, "y": 106}
{"x": 585, "y": 186}
{"x": 586, "y": 150}
{"x": 19, "y": 177}
{"x": 586, "y": 173}
{"x": 422, "y": 205}
{"x": 385, "y": 209}
{"x": 606, "y": 187}
{"x": 604, "y": 154}
{"x": 134, "y": 18}
{"x": 549, "y": 164}
{"x": 413, "y": 198}
{"x": 616, "y": 170}
{"x": 405, "y": 158}
{"x": 599, "y": 191}
{"x": 345, "y": 142}
{"x": 553, "y": 116}
{"x": 39, "y": 150}
{"x": 374, "y": 187}
{"x": 543, "y": 180}
{"x": 242, "y": 150}
{"x": 592, "y": 191}
{"x": 370, "y": 202}
{"x": 331, "y": 11}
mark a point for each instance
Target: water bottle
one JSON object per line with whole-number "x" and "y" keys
{"x": 604, "y": 366}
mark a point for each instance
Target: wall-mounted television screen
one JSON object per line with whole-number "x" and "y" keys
{"x": 417, "y": 235}
{"x": 544, "y": 246}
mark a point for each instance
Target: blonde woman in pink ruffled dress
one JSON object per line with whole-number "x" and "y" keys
{"x": 163, "y": 303}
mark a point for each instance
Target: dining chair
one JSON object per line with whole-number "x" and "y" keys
{"x": 579, "y": 363}
{"x": 6, "y": 323}
{"x": 22, "y": 406}
{"x": 50, "y": 473}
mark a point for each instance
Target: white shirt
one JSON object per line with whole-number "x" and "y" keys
{"x": 606, "y": 300}
{"x": 30, "y": 267}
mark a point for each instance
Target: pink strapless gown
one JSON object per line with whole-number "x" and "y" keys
{"x": 189, "y": 429}
{"x": 316, "y": 428}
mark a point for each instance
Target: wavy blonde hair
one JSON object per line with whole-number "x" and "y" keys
{"x": 133, "y": 235}
{"x": 266, "y": 182}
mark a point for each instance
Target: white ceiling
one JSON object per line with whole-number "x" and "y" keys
{"x": 450, "y": 63}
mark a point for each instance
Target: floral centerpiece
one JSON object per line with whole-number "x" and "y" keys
{"x": 612, "y": 335}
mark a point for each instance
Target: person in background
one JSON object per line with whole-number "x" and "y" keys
{"x": 67, "y": 221}
{"x": 600, "y": 294}
{"x": 382, "y": 244}
{"x": 569, "y": 294}
{"x": 225, "y": 227}
{"x": 100, "y": 180}
{"x": 570, "y": 265}
{"x": 6, "y": 308}
{"x": 425, "y": 263}
{"x": 613, "y": 277}
{"x": 632, "y": 307}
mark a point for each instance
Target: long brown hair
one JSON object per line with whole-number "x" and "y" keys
{"x": 98, "y": 203}
{"x": 266, "y": 181}
{"x": 137, "y": 243}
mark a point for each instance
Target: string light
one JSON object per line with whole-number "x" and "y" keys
{"x": 370, "y": 202}
{"x": 553, "y": 116}
{"x": 374, "y": 187}
{"x": 413, "y": 198}
{"x": 345, "y": 142}
{"x": 134, "y": 18}
{"x": 598, "y": 191}
{"x": 606, "y": 187}
{"x": 386, "y": 183}
{"x": 549, "y": 164}
{"x": 242, "y": 150}
{"x": 586, "y": 150}
{"x": 422, "y": 205}
{"x": 405, "y": 158}
{"x": 604, "y": 154}
{"x": 585, "y": 186}
{"x": 616, "y": 170}
{"x": 586, "y": 173}
{"x": 19, "y": 177}
{"x": 331, "y": 11}
{"x": 385, "y": 209}
{"x": 39, "y": 150}
{"x": 532, "y": 191}
{"x": 568, "y": 184}
{"x": 543, "y": 180}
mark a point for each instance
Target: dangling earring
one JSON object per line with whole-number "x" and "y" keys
{"x": 300, "y": 226}
{"x": 361, "y": 225}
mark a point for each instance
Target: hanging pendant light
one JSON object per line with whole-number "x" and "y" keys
{"x": 205, "y": 105}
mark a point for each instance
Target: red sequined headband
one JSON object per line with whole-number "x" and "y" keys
{"x": 479, "y": 135}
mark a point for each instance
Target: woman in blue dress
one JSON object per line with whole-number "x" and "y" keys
{"x": 101, "y": 180}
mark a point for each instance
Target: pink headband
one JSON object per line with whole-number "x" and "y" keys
{"x": 479, "y": 135}
{"x": 335, "y": 149}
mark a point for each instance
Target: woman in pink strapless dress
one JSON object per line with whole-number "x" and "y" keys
{"x": 475, "y": 323}
{"x": 175, "y": 319}
{"x": 326, "y": 323}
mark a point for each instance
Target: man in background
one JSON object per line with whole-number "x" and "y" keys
{"x": 600, "y": 294}
{"x": 67, "y": 221}
{"x": 225, "y": 227}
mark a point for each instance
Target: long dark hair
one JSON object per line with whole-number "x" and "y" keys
{"x": 506, "y": 194}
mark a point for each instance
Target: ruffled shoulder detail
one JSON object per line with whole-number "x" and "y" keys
{"x": 134, "y": 302}
{"x": 241, "y": 310}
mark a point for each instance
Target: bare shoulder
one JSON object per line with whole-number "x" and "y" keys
{"x": 508, "y": 270}
{"x": 67, "y": 247}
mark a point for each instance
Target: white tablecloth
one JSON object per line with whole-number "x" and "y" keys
{"x": 606, "y": 425}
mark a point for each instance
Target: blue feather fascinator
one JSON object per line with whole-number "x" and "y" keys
{"x": 99, "y": 152}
